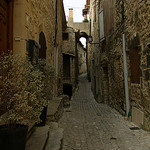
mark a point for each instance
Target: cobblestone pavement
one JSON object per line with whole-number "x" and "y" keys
{"x": 91, "y": 126}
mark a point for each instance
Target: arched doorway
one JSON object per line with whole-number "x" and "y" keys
{"x": 42, "y": 42}
{"x": 6, "y": 25}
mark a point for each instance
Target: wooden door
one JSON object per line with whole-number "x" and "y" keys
{"x": 135, "y": 66}
{"x": 6, "y": 22}
{"x": 3, "y": 26}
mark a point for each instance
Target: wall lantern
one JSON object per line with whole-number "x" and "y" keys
{"x": 90, "y": 39}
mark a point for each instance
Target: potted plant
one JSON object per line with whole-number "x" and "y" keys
{"x": 48, "y": 81}
{"x": 21, "y": 99}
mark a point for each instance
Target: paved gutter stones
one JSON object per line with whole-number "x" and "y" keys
{"x": 38, "y": 139}
{"x": 55, "y": 139}
{"x": 91, "y": 126}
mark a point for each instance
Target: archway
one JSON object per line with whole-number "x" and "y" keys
{"x": 42, "y": 42}
{"x": 83, "y": 53}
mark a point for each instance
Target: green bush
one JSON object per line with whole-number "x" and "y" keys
{"x": 85, "y": 20}
{"x": 22, "y": 87}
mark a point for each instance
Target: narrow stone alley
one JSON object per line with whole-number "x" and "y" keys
{"x": 91, "y": 126}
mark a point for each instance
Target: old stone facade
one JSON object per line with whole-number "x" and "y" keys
{"x": 107, "y": 64}
{"x": 82, "y": 58}
{"x": 83, "y": 29}
{"x": 29, "y": 23}
{"x": 70, "y": 60}
{"x": 39, "y": 22}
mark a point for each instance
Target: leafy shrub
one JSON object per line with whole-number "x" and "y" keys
{"x": 21, "y": 89}
{"x": 85, "y": 20}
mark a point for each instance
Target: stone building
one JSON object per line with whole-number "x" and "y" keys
{"x": 38, "y": 23}
{"x": 107, "y": 28}
{"x": 82, "y": 58}
{"x": 83, "y": 29}
{"x": 70, "y": 61}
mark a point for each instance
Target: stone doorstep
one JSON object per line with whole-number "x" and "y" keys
{"x": 49, "y": 136}
{"x": 55, "y": 139}
{"x": 53, "y": 106}
{"x": 37, "y": 140}
{"x": 56, "y": 107}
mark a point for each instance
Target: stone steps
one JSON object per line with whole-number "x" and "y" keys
{"x": 56, "y": 108}
{"x": 38, "y": 139}
{"x": 48, "y": 137}
{"x": 55, "y": 139}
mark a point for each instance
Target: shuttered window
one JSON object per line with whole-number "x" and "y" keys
{"x": 101, "y": 24}
{"x": 134, "y": 66}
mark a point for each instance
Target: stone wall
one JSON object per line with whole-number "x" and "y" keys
{"x": 28, "y": 17}
{"x": 70, "y": 49}
{"x": 138, "y": 60}
{"x": 82, "y": 58}
{"x": 31, "y": 17}
{"x": 61, "y": 26}
{"x": 69, "y": 44}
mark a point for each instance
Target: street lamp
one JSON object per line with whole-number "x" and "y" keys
{"x": 90, "y": 39}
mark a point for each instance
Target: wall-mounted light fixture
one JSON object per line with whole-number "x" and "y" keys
{"x": 90, "y": 39}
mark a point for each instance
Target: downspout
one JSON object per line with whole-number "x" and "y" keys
{"x": 55, "y": 38}
{"x": 125, "y": 63}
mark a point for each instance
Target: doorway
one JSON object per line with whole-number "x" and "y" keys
{"x": 42, "y": 42}
{"x": 6, "y": 26}
{"x": 67, "y": 90}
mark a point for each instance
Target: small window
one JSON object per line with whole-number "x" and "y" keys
{"x": 65, "y": 36}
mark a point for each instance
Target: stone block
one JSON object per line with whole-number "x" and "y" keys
{"x": 38, "y": 139}
{"x": 148, "y": 60}
{"x": 147, "y": 75}
{"x": 137, "y": 116}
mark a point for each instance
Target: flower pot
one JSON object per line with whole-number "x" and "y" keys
{"x": 13, "y": 137}
{"x": 43, "y": 117}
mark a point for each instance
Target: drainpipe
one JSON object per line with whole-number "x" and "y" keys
{"x": 90, "y": 28}
{"x": 55, "y": 38}
{"x": 125, "y": 63}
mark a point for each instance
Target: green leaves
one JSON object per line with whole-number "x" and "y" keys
{"x": 24, "y": 89}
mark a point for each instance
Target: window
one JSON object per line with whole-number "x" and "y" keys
{"x": 95, "y": 12}
{"x": 101, "y": 24}
{"x": 53, "y": 3}
{"x": 65, "y": 36}
{"x": 134, "y": 66}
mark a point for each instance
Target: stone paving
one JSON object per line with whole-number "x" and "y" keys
{"x": 91, "y": 126}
